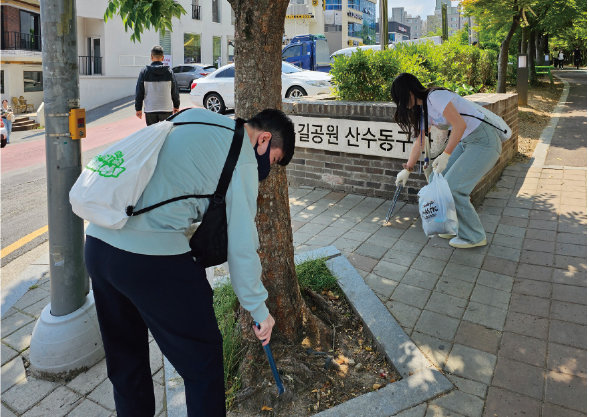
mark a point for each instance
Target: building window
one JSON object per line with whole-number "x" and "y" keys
{"x": 195, "y": 10}
{"x": 166, "y": 42}
{"x": 217, "y": 51}
{"x": 333, "y": 4}
{"x": 230, "y": 50}
{"x": 191, "y": 48}
{"x": 33, "y": 81}
{"x": 216, "y": 11}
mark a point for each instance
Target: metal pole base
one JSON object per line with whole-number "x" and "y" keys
{"x": 64, "y": 346}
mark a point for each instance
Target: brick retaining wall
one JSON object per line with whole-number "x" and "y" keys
{"x": 375, "y": 175}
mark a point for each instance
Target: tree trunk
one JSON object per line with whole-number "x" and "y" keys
{"x": 524, "y": 42}
{"x": 532, "y": 57}
{"x": 504, "y": 54}
{"x": 539, "y": 49}
{"x": 258, "y": 85}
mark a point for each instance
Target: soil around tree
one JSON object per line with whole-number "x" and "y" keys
{"x": 533, "y": 118}
{"x": 315, "y": 377}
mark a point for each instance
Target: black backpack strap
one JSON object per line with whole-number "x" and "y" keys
{"x": 485, "y": 121}
{"x": 231, "y": 160}
{"x": 226, "y": 174}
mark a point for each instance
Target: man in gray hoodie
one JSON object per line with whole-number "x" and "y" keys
{"x": 156, "y": 89}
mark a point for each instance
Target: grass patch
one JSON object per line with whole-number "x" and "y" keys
{"x": 315, "y": 275}
{"x": 32, "y": 287}
{"x": 225, "y": 305}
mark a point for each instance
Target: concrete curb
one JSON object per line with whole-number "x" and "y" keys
{"x": 543, "y": 145}
{"x": 421, "y": 380}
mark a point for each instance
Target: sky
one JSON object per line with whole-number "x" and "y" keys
{"x": 422, "y": 8}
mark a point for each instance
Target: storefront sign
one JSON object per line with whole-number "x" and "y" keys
{"x": 300, "y": 16}
{"x": 352, "y": 136}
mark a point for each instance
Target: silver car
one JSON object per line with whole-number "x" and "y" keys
{"x": 188, "y": 72}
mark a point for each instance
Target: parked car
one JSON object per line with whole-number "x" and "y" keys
{"x": 188, "y": 72}
{"x": 216, "y": 91}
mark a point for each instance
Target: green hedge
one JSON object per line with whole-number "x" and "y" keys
{"x": 367, "y": 75}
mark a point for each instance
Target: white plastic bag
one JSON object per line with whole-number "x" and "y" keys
{"x": 116, "y": 178}
{"x": 436, "y": 207}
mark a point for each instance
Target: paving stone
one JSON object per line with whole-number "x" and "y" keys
{"x": 513, "y": 221}
{"x": 543, "y": 215}
{"x": 501, "y": 402}
{"x": 420, "y": 279}
{"x": 567, "y": 360}
{"x": 446, "y": 304}
{"x": 346, "y": 245}
{"x": 531, "y": 287}
{"x": 536, "y": 258}
{"x": 499, "y": 265}
{"x": 569, "y": 293}
{"x": 572, "y": 238}
{"x": 408, "y": 247}
{"x": 564, "y": 311}
{"x": 536, "y": 272}
{"x": 14, "y": 322}
{"x": 400, "y": 258}
{"x": 418, "y": 411}
{"x": 358, "y": 235}
{"x": 570, "y": 276}
{"x": 441, "y": 253}
{"x": 539, "y": 245}
{"x": 370, "y": 250}
{"x": 470, "y": 257}
{"x": 413, "y": 296}
{"x": 519, "y": 377}
{"x": 523, "y": 349}
{"x": 387, "y": 235}
{"x": 437, "y": 325}
{"x": 89, "y": 408}
{"x": 414, "y": 234}
{"x": 436, "y": 350}
{"x": 20, "y": 339}
{"x": 542, "y": 224}
{"x": 567, "y": 391}
{"x": 56, "y": 404}
{"x": 381, "y": 286}
{"x": 103, "y": 395}
{"x": 504, "y": 229}
{"x": 495, "y": 280}
{"x": 514, "y": 242}
{"x": 437, "y": 411}
{"x": 469, "y": 386}
{"x": 490, "y": 296}
{"x": 5, "y": 412}
{"x": 528, "y": 304}
{"x": 455, "y": 287}
{"x": 556, "y": 410}
{"x": 31, "y": 297}
{"x": 362, "y": 262}
{"x": 27, "y": 393}
{"x": 7, "y": 354}
{"x": 568, "y": 227}
{"x": 406, "y": 315}
{"x": 13, "y": 372}
{"x": 463, "y": 272}
{"x": 549, "y": 235}
{"x": 571, "y": 249}
{"x": 471, "y": 363}
{"x": 36, "y": 308}
{"x": 485, "y": 315}
{"x": 478, "y": 337}
{"x": 321, "y": 240}
{"x": 504, "y": 252}
{"x": 85, "y": 382}
{"x": 389, "y": 270}
{"x": 461, "y": 403}
{"x": 517, "y": 212}
{"x": 156, "y": 359}
{"x": 566, "y": 262}
{"x": 434, "y": 266}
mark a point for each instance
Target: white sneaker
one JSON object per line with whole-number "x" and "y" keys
{"x": 446, "y": 235}
{"x": 463, "y": 244}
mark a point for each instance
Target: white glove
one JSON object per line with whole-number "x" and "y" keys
{"x": 440, "y": 163}
{"x": 402, "y": 178}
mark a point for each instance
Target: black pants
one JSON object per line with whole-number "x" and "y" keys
{"x": 170, "y": 296}
{"x": 151, "y": 118}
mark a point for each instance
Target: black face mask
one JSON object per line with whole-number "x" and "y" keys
{"x": 263, "y": 162}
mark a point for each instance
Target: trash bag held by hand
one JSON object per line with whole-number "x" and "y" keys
{"x": 436, "y": 207}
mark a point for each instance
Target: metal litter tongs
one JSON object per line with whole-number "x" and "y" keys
{"x": 395, "y": 198}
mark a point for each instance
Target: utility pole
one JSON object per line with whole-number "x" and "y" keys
{"x": 66, "y": 337}
{"x": 384, "y": 24}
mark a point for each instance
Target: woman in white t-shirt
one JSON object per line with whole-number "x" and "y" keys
{"x": 472, "y": 150}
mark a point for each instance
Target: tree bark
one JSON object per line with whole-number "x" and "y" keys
{"x": 524, "y": 42}
{"x": 259, "y": 26}
{"x": 539, "y": 49}
{"x": 504, "y": 52}
{"x": 532, "y": 57}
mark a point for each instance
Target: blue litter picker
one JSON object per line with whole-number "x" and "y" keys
{"x": 272, "y": 365}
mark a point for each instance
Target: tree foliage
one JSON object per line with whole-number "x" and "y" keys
{"x": 142, "y": 15}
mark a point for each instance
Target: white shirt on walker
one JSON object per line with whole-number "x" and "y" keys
{"x": 437, "y": 101}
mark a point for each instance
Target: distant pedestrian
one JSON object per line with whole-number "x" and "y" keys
{"x": 472, "y": 150}
{"x": 577, "y": 57}
{"x": 157, "y": 91}
{"x": 7, "y": 118}
{"x": 560, "y": 59}
{"x": 144, "y": 276}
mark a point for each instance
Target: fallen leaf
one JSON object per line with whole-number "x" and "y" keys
{"x": 266, "y": 408}
{"x": 376, "y": 386}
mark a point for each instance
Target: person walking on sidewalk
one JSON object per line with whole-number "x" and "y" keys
{"x": 472, "y": 150}
{"x": 7, "y": 118}
{"x": 560, "y": 59}
{"x": 156, "y": 90}
{"x": 144, "y": 276}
